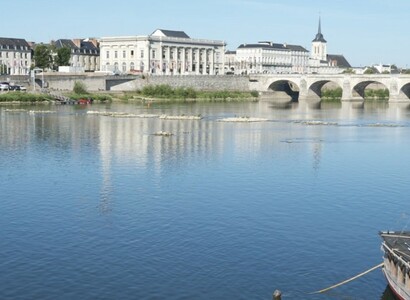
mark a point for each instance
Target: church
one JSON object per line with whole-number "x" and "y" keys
{"x": 267, "y": 57}
{"x": 320, "y": 62}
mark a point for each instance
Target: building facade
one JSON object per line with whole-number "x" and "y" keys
{"x": 15, "y": 56}
{"x": 164, "y": 52}
{"x": 269, "y": 57}
{"x": 85, "y": 54}
{"x": 320, "y": 61}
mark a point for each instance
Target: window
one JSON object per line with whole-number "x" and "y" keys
{"x": 142, "y": 53}
{"x": 153, "y": 54}
{"x": 124, "y": 54}
{"x": 132, "y": 53}
{"x": 132, "y": 66}
{"x": 107, "y": 54}
{"x": 115, "y": 54}
{"x": 124, "y": 67}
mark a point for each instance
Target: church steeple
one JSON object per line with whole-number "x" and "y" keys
{"x": 319, "y": 36}
{"x": 319, "y": 45}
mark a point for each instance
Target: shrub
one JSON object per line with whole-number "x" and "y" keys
{"x": 254, "y": 94}
{"x": 80, "y": 88}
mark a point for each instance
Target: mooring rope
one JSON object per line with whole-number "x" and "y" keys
{"x": 348, "y": 280}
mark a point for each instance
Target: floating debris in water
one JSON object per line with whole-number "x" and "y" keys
{"x": 42, "y": 112}
{"x": 382, "y": 125}
{"x": 16, "y": 110}
{"x": 301, "y": 140}
{"x": 163, "y": 133}
{"x": 315, "y": 123}
{"x": 147, "y": 116}
{"x": 120, "y": 114}
{"x": 243, "y": 119}
{"x": 182, "y": 117}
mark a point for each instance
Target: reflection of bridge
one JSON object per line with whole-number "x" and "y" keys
{"x": 308, "y": 87}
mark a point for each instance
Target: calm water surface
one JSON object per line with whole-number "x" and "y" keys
{"x": 96, "y": 207}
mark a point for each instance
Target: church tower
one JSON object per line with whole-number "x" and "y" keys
{"x": 319, "y": 49}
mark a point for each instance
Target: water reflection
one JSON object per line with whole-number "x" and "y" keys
{"x": 388, "y": 294}
{"x": 218, "y": 195}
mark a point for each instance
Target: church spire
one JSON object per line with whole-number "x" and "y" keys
{"x": 319, "y": 36}
{"x": 319, "y": 31}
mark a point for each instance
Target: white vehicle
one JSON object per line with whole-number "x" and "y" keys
{"x": 4, "y": 86}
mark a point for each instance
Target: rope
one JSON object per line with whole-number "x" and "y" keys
{"x": 348, "y": 280}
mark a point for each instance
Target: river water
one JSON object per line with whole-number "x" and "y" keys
{"x": 96, "y": 207}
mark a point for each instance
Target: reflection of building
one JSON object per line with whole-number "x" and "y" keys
{"x": 164, "y": 52}
{"x": 85, "y": 54}
{"x": 15, "y": 56}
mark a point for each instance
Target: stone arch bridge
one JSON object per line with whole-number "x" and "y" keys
{"x": 308, "y": 86}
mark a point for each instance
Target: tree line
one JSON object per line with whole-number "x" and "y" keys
{"x": 49, "y": 57}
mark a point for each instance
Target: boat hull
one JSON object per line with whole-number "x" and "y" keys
{"x": 398, "y": 291}
{"x": 396, "y": 262}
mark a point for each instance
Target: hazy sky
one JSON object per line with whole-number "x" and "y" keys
{"x": 365, "y": 31}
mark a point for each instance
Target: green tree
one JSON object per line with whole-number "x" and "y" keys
{"x": 42, "y": 56}
{"x": 349, "y": 71}
{"x": 371, "y": 70}
{"x": 63, "y": 57}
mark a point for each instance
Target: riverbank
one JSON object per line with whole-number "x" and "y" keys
{"x": 149, "y": 94}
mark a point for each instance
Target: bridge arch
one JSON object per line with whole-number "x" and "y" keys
{"x": 405, "y": 91}
{"x": 316, "y": 88}
{"x": 285, "y": 89}
{"x": 360, "y": 88}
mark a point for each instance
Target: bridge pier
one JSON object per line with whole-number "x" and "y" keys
{"x": 398, "y": 99}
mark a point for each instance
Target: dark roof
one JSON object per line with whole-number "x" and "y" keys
{"x": 341, "y": 61}
{"x": 63, "y": 43}
{"x": 274, "y": 46}
{"x": 319, "y": 36}
{"x": 13, "y": 42}
{"x": 174, "y": 33}
{"x": 86, "y": 46}
{"x": 230, "y": 52}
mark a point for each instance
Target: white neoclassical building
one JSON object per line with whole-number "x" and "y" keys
{"x": 164, "y": 52}
{"x": 15, "y": 56}
{"x": 269, "y": 57}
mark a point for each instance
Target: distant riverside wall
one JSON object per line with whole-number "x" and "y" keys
{"x": 199, "y": 82}
{"x": 124, "y": 83}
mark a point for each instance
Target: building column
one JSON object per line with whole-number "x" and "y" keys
{"x": 183, "y": 61}
{"x": 197, "y": 60}
{"x": 161, "y": 60}
{"x": 168, "y": 60}
{"x": 191, "y": 59}
{"x": 212, "y": 62}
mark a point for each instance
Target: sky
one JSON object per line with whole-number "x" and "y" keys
{"x": 366, "y": 32}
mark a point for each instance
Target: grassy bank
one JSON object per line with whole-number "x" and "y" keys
{"x": 166, "y": 93}
{"x": 369, "y": 94}
{"x": 24, "y": 97}
{"x": 95, "y": 97}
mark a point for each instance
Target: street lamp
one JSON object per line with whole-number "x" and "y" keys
{"x": 34, "y": 77}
